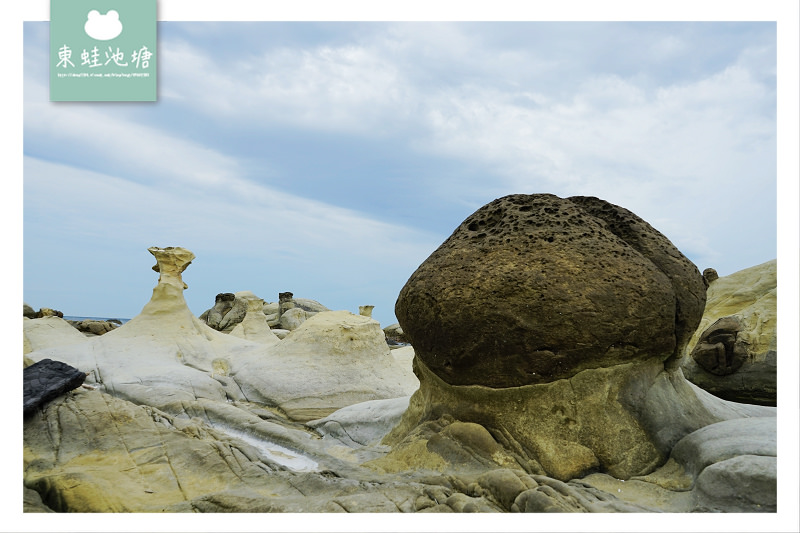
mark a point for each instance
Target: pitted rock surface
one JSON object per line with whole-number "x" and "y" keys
{"x": 534, "y": 288}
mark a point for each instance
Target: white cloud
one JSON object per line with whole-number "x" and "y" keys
{"x": 606, "y": 129}
{"x": 347, "y": 88}
{"x": 250, "y": 219}
{"x": 97, "y": 133}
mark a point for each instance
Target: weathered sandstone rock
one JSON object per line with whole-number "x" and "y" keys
{"x": 167, "y": 358}
{"x": 311, "y": 306}
{"x": 271, "y": 308}
{"x": 184, "y": 418}
{"x": 164, "y": 355}
{"x": 28, "y": 311}
{"x": 545, "y": 287}
{"x": 292, "y": 318}
{"x": 733, "y": 353}
{"x": 556, "y": 326}
{"x": 280, "y": 332}
{"x": 332, "y": 360}
{"x": 228, "y": 311}
{"x": 47, "y": 312}
{"x": 362, "y": 424}
{"x": 254, "y": 326}
{"x": 94, "y": 327}
{"x": 395, "y": 333}
{"x": 47, "y": 332}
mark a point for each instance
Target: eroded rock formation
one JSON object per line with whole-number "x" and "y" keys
{"x": 183, "y": 418}
{"x": 555, "y": 325}
{"x": 254, "y": 326}
{"x": 733, "y": 353}
{"x": 534, "y": 288}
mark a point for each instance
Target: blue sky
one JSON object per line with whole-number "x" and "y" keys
{"x": 330, "y": 159}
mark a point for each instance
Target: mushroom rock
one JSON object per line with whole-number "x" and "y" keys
{"x": 733, "y": 353}
{"x": 558, "y": 325}
{"x": 285, "y": 301}
{"x": 228, "y": 311}
{"x": 170, "y": 263}
{"x": 164, "y": 355}
{"x": 254, "y": 326}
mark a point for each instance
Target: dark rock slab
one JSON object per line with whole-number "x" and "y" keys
{"x": 46, "y": 380}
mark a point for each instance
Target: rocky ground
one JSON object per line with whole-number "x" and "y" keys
{"x": 545, "y": 374}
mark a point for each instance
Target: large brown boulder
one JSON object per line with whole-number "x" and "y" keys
{"x": 535, "y": 288}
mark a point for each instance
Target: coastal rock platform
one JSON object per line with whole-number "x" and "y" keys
{"x": 176, "y": 416}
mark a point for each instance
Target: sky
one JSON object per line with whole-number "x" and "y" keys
{"x": 330, "y": 159}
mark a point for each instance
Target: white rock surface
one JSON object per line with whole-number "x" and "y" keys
{"x": 167, "y": 358}
{"x": 333, "y": 359}
{"x": 362, "y": 424}
{"x": 49, "y": 331}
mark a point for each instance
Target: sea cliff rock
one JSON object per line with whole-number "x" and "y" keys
{"x": 733, "y": 353}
